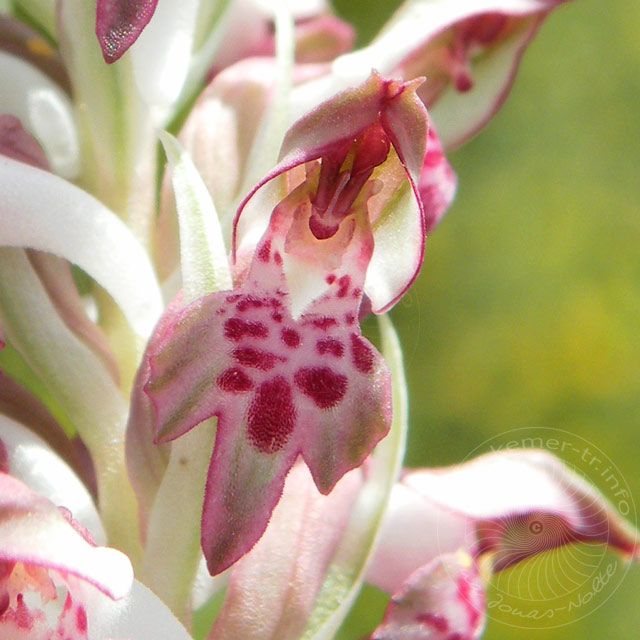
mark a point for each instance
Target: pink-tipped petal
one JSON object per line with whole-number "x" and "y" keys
{"x": 469, "y": 52}
{"x": 539, "y": 486}
{"x": 444, "y": 600}
{"x": 462, "y": 114}
{"x": 119, "y": 23}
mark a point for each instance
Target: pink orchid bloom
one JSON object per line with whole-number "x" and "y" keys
{"x": 295, "y": 376}
{"x": 55, "y": 582}
{"x": 469, "y": 52}
{"x": 507, "y": 506}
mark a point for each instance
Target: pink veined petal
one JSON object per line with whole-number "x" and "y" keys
{"x": 295, "y": 550}
{"x": 460, "y": 116}
{"x": 444, "y": 600}
{"x": 467, "y": 80}
{"x": 119, "y": 23}
{"x": 280, "y": 387}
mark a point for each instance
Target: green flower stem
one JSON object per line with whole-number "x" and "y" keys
{"x": 173, "y": 538}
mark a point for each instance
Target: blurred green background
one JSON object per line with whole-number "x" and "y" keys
{"x": 527, "y": 310}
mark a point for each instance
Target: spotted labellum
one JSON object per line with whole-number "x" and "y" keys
{"x": 280, "y": 359}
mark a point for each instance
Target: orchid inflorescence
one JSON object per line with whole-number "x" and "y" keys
{"x": 184, "y": 373}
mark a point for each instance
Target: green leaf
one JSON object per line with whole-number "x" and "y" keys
{"x": 204, "y": 263}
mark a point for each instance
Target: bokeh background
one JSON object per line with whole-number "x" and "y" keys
{"x": 527, "y": 311}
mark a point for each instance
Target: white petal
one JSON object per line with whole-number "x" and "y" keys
{"x": 42, "y": 211}
{"x": 35, "y": 463}
{"x": 414, "y": 533}
{"x": 162, "y": 53}
{"x": 44, "y": 109}
{"x": 141, "y": 615}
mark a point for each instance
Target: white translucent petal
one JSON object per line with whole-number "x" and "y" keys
{"x": 44, "y": 110}
{"x": 42, "y": 211}
{"x": 140, "y": 615}
{"x": 536, "y": 481}
{"x": 162, "y": 53}
{"x": 400, "y": 551}
{"x": 41, "y": 469}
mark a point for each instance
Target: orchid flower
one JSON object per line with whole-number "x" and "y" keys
{"x": 295, "y": 365}
{"x": 54, "y": 579}
{"x": 184, "y": 376}
{"x": 470, "y": 513}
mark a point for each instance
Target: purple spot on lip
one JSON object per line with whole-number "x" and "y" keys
{"x": 234, "y": 380}
{"x": 325, "y": 387}
{"x": 271, "y": 415}
{"x": 250, "y": 357}
{"x": 290, "y": 337}
{"x": 363, "y": 358}
{"x": 236, "y": 328}
{"x": 330, "y": 346}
